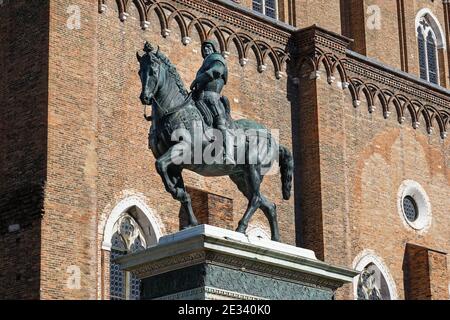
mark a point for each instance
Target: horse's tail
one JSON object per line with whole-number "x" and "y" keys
{"x": 287, "y": 171}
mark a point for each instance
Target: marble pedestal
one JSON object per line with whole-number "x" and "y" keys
{"x": 207, "y": 262}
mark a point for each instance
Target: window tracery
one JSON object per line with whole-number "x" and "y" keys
{"x": 128, "y": 238}
{"x": 266, "y": 7}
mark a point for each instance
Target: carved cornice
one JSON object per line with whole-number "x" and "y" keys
{"x": 229, "y": 261}
{"x": 262, "y": 29}
{"x": 311, "y": 38}
{"x": 313, "y": 48}
{"x": 272, "y": 271}
{"x": 392, "y": 90}
{"x": 170, "y": 264}
{"x": 228, "y": 27}
{"x": 209, "y": 293}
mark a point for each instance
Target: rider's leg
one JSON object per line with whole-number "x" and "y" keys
{"x": 227, "y": 143}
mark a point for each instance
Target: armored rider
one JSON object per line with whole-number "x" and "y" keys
{"x": 207, "y": 88}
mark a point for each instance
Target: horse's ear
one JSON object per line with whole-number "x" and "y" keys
{"x": 138, "y": 56}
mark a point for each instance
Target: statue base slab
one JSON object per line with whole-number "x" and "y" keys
{"x": 210, "y": 263}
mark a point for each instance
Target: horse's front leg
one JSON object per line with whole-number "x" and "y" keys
{"x": 173, "y": 181}
{"x": 185, "y": 199}
{"x": 162, "y": 167}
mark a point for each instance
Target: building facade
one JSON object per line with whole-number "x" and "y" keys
{"x": 358, "y": 89}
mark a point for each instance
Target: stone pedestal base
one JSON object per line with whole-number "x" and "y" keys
{"x": 206, "y": 262}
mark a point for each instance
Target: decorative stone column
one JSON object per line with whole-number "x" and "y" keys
{"x": 208, "y": 263}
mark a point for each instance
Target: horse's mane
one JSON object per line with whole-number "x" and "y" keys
{"x": 172, "y": 71}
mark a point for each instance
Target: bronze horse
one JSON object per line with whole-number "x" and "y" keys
{"x": 172, "y": 108}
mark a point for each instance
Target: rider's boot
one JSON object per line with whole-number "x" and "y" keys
{"x": 228, "y": 149}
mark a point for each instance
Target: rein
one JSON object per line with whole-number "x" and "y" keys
{"x": 153, "y": 100}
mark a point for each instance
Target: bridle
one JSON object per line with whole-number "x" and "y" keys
{"x": 153, "y": 100}
{"x": 152, "y": 97}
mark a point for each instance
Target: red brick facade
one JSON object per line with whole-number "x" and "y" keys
{"x": 75, "y": 141}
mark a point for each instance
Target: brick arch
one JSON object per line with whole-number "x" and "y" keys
{"x": 239, "y": 44}
{"x": 367, "y": 257}
{"x": 245, "y": 44}
{"x": 359, "y": 88}
{"x": 178, "y": 17}
{"x": 332, "y": 64}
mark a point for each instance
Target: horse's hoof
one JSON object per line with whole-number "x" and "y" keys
{"x": 189, "y": 226}
{"x": 241, "y": 229}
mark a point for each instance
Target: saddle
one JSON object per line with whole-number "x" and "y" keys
{"x": 207, "y": 114}
{"x": 208, "y": 117}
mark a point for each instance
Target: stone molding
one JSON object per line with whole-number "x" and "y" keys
{"x": 270, "y": 270}
{"x": 151, "y": 220}
{"x": 366, "y": 257}
{"x": 210, "y": 293}
{"x": 215, "y": 246}
{"x": 169, "y": 264}
{"x": 307, "y": 51}
{"x": 392, "y": 90}
{"x": 246, "y": 34}
{"x": 190, "y": 259}
{"x": 418, "y": 193}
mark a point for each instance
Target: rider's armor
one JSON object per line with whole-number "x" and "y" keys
{"x": 210, "y": 80}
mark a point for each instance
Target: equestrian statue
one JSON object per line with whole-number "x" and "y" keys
{"x": 204, "y": 110}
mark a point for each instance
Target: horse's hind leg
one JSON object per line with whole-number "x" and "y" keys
{"x": 250, "y": 186}
{"x": 270, "y": 211}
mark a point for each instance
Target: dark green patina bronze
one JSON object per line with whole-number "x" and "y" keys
{"x": 245, "y": 283}
{"x": 173, "y": 108}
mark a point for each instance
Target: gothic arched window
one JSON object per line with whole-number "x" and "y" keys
{"x": 266, "y": 7}
{"x": 432, "y": 58}
{"x": 374, "y": 281}
{"x": 430, "y": 45}
{"x": 127, "y": 238}
{"x": 372, "y": 284}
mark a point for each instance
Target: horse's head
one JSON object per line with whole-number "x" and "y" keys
{"x": 149, "y": 73}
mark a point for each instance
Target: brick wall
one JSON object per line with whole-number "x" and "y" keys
{"x": 385, "y": 30}
{"x": 80, "y": 148}
{"x": 325, "y": 13}
{"x": 97, "y": 140}
{"x": 363, "y": 159}
{"x": 427, "y": 274}
{"x": 69, "y": 230}
{"x": 210, "y": 209}
{"x": 23, "y": 143}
